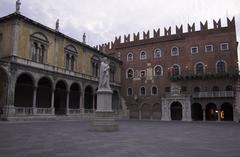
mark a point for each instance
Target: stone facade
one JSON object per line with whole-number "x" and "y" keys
{"x": 45, "y": 73}
{"x": 202, "y": 63}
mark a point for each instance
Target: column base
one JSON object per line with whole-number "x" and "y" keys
{"x": 104, "y": 122}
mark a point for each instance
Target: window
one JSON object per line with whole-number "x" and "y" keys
{"x": 142, "y": 91}
{"x": 129, "y": 91}
{"x": 142, "y": 73}
{"x": 215, "y": 89}
{"x": 197, "y": 89}
{"x": 208, "y": 48}
{"x": 130, "y": 57}
{"x": 154, "y": 90}
{"x": 199, "y": 69}
{"x": 224, "y": 46}
{"x": 130, "y": 73}
{"x": 175, "y": 51}
{"x": 194, "y": 50}
{"x": 175, "y": 70}
{"x": 39, "y": 45}
{"x": 143, "y": 55}
{"x": 157, "y": 53}
{"x": 70, "y": 57}
{"x": 167, "y": 89}
{"x": 229, "y": 88}
{"x": 95, "y": 65}
{"x": 158, "y": 70}
{"x": 221, "y": 67}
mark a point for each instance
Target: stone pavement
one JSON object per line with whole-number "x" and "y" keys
{"x": 135, "y": 139}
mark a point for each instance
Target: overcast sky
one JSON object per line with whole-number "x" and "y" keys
{"x": 102, "y": 20}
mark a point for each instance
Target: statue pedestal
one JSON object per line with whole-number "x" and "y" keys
{"x": 104, "y": 118}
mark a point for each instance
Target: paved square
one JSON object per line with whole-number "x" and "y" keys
{"x": 135, "y": 139}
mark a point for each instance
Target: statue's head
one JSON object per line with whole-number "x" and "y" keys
{"x": 104, "y": 59}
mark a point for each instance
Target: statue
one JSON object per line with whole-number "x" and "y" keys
{"x": 18, "y": 3}
{"x": 84, "y": 38}
{"x": 104, "y": 75}
{"x": 57, "y": 25}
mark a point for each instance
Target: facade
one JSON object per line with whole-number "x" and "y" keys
{"x": 186, "y": 76}
{"x": 46, "y": 73}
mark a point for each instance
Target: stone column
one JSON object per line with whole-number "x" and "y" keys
{"x": 140, "y": 114}
{"x": 52, "y": 102}
{"x": 67, "y": 103}
{"x": 165, "y": 111}
{"x": 187, "y": 109}
{"x": 9, "y": 109}
{"x": 204, "y": 114}
{"x": 34, "y": 100}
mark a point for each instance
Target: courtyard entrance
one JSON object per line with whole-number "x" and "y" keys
{"x": 176, "y": 111}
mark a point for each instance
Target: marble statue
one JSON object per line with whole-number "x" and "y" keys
{"x": 104, "y": 75}
{"x": 18, "y": 3}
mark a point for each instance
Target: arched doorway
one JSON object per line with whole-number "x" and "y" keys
{"x": 44, "y": 93}
{"x": 226, "y": 112}
{"x": 156, "y": 111}
{"x": 3, "y": 89}
{"x": 60, "y": 98}
{"x": 133, "y": 111}
{"x": 115, "y": 101}
{"x": 146, "y": 111}
{"x": 197, "y": 112}
{"x": 88, "y": 99}
{"x": 211, "y": 112}
{"x": 176, "y": 111}
{"x": 24, "y": 90}
{"x": 74, "y": 96}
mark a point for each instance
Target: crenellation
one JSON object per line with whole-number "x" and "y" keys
{"x": 146, "y": 35}
{"x": 191, "y": 28}
{"x": 136, "y": 37}
{"x": 156, "y": 34}
{"x": 217, "y": 25}
{"x": 167, "y": 32}
{"x": 127, "y": 38}
{"x": 204, "y": 26}
{"x": 231, "y": 23}
{"x": 179, "y": 30}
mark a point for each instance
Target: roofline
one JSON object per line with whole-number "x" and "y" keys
{"x": 26, "y": 19}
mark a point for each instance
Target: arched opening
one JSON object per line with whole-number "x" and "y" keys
{"x": 211, "y": 112}
{"x": 95, "y": 99}
{"x": 3, "y": 89}
{"x": 197, "y": 112}
{"x": 156, "y": 111}
{"x": 88, "y": 99}
{"x": 146, "y": 111}
{"x": 176, "y": 111}
{"x": 74, "y": 96}
{"x": 115, "y": 101}
{"x": 226, "y": 112}
{"x": 24, "y": 89}
{"x": 133, "y": 111}
{"x": 60, "y": 98}
{"x": 44, "y": 93}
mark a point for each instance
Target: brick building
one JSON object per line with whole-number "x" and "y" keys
{"x": 183, "y": 76}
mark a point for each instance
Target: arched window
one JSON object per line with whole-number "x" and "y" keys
{"x": 129, "y": 57}
{"x": 130, "y": 73}
{"x": 221, "y": 67}
{"x": 142, "y": 91}
{"x": 158, "y": 70}
{"x": 215, "y": 89}
{"x": 199, "y": 69}
{"x": 154, "y": 90}
{"x": 129, "y": 91}
{"x": 95, "y": 65}
{"x": 196, "y": 89}
{"x": 175, "y": 51}
{"x": 70, "y": 57}
{"x": 143, "y": 55}
{"x": 157, "y": 53}
{"x": 39, "y": 45}
{"x": 229, "y": 88}
{"x": 175, "y": 70}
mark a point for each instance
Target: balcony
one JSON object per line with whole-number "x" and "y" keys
{"x": 215, "y": 94}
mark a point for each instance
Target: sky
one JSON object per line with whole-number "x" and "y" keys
{"x": 102, "y": 20}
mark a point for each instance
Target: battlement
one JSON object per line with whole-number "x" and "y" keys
{"x": 168, "y": 35}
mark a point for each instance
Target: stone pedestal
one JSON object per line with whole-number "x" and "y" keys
{"x": 104, "y": 118}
